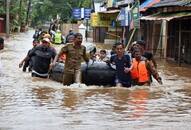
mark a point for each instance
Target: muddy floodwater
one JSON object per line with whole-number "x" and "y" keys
{"x": 28, "y": 103}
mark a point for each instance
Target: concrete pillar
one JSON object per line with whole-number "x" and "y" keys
{"x": 82, "y": 30}
{"x": 164, "y": 37}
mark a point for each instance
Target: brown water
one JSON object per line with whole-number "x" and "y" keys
{"x": 28, "y": 103}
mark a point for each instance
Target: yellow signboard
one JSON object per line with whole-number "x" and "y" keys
{"x": 102, "y": 20}
{"x": 97, "y": 22}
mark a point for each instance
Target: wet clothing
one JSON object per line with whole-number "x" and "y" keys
{"x": 139, "y": 71}
{"x": 71, "y": 78}
{"x": 121, "y": 76}
{"x": 41, "y": 59}
{"x": 74, "y": 57}
{"x": 142, "y": 70}
{"x": 27, "y": 62}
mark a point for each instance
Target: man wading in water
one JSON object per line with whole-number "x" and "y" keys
{"x": 75, "y": 52}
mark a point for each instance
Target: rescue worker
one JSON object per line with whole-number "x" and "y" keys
{"x": 41, "y": 58}
{"x": 141, "y": 70}
{"x": 75, "y": 52}
{"x": 141, "y": 44}
{"x": 123, "y": 66}
{"x": 27, "y": 62}
{"x": 58, "y": 37}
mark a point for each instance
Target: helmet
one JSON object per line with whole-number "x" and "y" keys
{"x": 58, "y": 30}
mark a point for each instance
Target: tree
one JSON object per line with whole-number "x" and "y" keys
{"x": 51, "y": 8}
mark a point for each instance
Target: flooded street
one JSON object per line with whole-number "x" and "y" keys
{"x": 28, "y": 103}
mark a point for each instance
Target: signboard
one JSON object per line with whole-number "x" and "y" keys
{"x": 76, "y": 12}
{"x": 87, "y": 13}
{"x": 124, "y": 16}
{"x": 102, "y": 20}
{"x": 135, "y": 16}
{"x": 79, "y": 13}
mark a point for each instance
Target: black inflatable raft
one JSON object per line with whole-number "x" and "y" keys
{"x": 96, "y": 73}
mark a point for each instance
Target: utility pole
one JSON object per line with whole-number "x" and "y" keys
{"x": 28, "y": 12}
{"x": 7, "y": 18}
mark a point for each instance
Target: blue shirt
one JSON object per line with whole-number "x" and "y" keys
{"x": 121, "y": 76}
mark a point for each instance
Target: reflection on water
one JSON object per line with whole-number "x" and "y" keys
{"x": 28, "y": 103}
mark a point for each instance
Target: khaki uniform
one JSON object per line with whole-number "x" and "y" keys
{"x": 74, "y": 57}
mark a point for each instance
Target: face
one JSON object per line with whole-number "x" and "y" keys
{"x": 71, "y": 39}
{"x": 140, "y": 47}
{"x": 102, "y": 55}
{"x": 78, "y": 40}
{"x": 35, "y": 43}
{"x": 137, "y": 55}
{"x": 45, "y": 43}
{"x": 120, "y": 50}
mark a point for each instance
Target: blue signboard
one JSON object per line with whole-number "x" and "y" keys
{"x": 79, "y": 13}
{"x": 87, "y": 13}
{"x": 76, "y": 12}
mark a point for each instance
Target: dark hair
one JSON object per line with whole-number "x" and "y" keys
{"x": 77, "y": 34}
{"x": 141, "y": 42}
{"x": 119, "y": 43}
{"x": 104, "y": 51}
{"x": 93, "y": 50}
{"x": 136, "y": 50}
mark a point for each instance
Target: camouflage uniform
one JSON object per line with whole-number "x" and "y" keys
{"x": 72, "y": 68}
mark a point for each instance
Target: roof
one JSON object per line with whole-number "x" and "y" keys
{"x": 163, "y": 3}
{"x": 166, "y": 16}
{"x": 147, "y": 4}
{"x": 110, "y": 11}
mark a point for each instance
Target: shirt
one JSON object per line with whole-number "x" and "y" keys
{"x": 123, "y": 77}
{"x": 41, "y": 57}
{"x": 74, "y": 56}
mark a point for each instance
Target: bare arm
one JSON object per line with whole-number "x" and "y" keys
{"x": 153, "y": 71}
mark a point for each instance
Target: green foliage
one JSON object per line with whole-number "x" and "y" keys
{"x": 51, "y": 8}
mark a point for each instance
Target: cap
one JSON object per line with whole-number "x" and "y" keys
{"x": 58, "y": 30}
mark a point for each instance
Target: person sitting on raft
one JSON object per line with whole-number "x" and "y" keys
{"x": 103, "y": 56}
{"x": 142, "y": 69}
{"x": 123, "y": 66}
{"x": 27, "y": 60}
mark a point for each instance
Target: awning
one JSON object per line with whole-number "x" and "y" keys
{"x": 166, "y": 16}
{"x": 110, "y": 12}
{"x": 147, "y": 4}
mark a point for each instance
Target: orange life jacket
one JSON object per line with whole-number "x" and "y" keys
{"x": 139, "y": 71}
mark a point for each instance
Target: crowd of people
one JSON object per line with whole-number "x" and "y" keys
{"x": 133, "y": 67}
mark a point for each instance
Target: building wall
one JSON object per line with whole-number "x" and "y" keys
{"x": 173, "y": 40}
